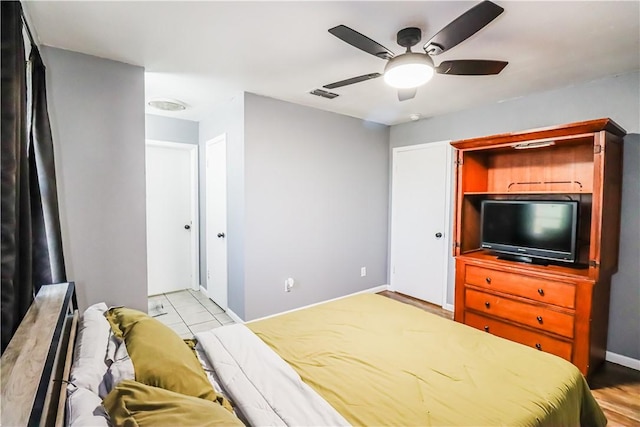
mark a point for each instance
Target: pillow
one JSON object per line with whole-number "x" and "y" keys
{"x": 112, "y": 346}
{"x": 89, "y": 366}
{"x": 131, "y": 403}
{"x": 120, "y": 369}
{"x": 84, "y": 408}
{"x": 160, "y": 357}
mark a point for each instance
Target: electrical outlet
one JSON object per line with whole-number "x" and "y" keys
{"x": 288, "y": 284}
{"x": 363, "y": 271}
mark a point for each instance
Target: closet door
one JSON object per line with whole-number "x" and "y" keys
{"x": 420, "y": 221}
{"x": 172, "y": 232}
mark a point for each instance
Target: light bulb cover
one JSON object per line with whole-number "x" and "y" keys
{"x": 166, "y": 104}
{"x": 408, "y": 70}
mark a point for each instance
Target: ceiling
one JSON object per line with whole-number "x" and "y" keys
{"x": 204, "y": 53}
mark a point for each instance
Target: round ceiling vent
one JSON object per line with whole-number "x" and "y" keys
{"x": 167, "y": 104}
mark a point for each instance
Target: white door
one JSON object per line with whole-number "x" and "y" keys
{"x": 420, "y": 221}
{"x": 171, "y": 219}
{"x": 217, "y": 220}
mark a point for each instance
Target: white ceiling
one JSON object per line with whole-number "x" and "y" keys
{"x": 203, "y": 53}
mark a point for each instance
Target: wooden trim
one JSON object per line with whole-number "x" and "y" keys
{"x": 589, "y": 126}
{"x": 62, "y": 398}
{"x": 43, "y": 397}
{"x": 30, "y": 362}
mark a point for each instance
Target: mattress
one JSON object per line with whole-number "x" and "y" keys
{"x": 382, "y": 362}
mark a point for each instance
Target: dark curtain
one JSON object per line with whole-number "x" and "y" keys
{"x": 31, "y": 242}
{"x": 47, "y": 238}
{"x": 17, "y": 288}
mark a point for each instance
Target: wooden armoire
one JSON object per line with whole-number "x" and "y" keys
{"x": 558, "y": 308}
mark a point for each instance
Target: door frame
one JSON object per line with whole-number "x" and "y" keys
{"x": 195, "y": 224}
{"x": 209, "y": 232}
{"x": 447, "y": 212}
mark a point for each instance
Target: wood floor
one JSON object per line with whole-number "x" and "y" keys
{"x": 615, "y": 387}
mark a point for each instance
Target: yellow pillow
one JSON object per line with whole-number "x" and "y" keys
{"x": 160, "y": 357}
{"x": 133, "y": 404}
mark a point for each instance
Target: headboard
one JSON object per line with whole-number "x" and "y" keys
{"x": 35, "y": 365}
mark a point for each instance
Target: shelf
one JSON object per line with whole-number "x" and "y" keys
{"x": 482, "y": 257}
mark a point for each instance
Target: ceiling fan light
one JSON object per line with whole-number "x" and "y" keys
{"x": 408, "y": 70}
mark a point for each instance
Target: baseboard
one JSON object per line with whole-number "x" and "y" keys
{"x": 230, "y": 312}
{"x": 234, "y": 316}
{"x": 373, "y": 290}
{"x": 623, "y": 360}
{"x": 445, "y": 306}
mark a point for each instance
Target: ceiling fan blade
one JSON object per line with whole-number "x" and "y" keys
{"x": 463, "y": 27}
{"x": 471, "y": 67}
{"x": 352, "y": 80}
{"x": 361, "y": 41}
{"x": 406, "y": 94}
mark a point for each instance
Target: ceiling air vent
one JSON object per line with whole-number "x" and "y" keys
{"x": 324, "y": 93}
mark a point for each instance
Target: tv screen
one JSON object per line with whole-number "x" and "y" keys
{"x": 530, "y": 230}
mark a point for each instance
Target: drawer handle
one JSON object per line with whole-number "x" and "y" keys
{"x": 539, "y": 318}
{"x": 539, "y": 346}
{"x": 488, "y": 279}
{"x": 541, "y": 292}
{"x": 486, "y": 304}
{"x": 486, "y": 329}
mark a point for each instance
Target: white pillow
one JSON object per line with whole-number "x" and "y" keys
{"x": 112, "y": 345}
{"x": 89, "y": 367}
{"x": 85, "y": 409}
{"x": 121, "y": 369}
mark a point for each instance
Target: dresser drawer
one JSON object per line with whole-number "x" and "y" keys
{"x": 527, "y": 314}
{"x": 535, "y": 288}
{"x": 523, "y": 336}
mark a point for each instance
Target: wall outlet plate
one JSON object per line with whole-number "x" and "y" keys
{"x": 288, "y": 284}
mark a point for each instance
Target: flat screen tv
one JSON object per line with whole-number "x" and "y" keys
{"x": 530, "y": 230}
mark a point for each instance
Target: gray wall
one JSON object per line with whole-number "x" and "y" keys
{"x": 96, "y": 108}
{"x": 616, "y": 97}
{"x": 162, "y": 128}
{"x": 316, "y": 198}
{"x": 227, "y": 119}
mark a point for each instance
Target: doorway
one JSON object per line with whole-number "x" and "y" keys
{"x": 172, "y": 220}
{"x": 216, "y": 220}
{"x": 420, "y": 221}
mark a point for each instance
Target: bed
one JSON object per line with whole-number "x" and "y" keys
{"x": 360, "y": 360}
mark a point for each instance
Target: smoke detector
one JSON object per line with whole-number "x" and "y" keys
{"x": 415, "y": 116}
{"x": 167, "y": 104}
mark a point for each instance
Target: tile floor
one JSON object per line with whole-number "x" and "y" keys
{"x": 189, "y": 312}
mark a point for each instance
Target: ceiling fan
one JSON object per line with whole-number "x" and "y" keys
{"x": 410, "y": 70}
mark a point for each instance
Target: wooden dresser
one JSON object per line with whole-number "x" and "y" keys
{"x": 560, "y": 309}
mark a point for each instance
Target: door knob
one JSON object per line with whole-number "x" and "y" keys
{"x": 187, "y": 227}
{"x": 438, "y": 235}
{"x": 221, "y": 235}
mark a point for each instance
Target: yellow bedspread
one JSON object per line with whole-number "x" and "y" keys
{"x": 381, "y": 362}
